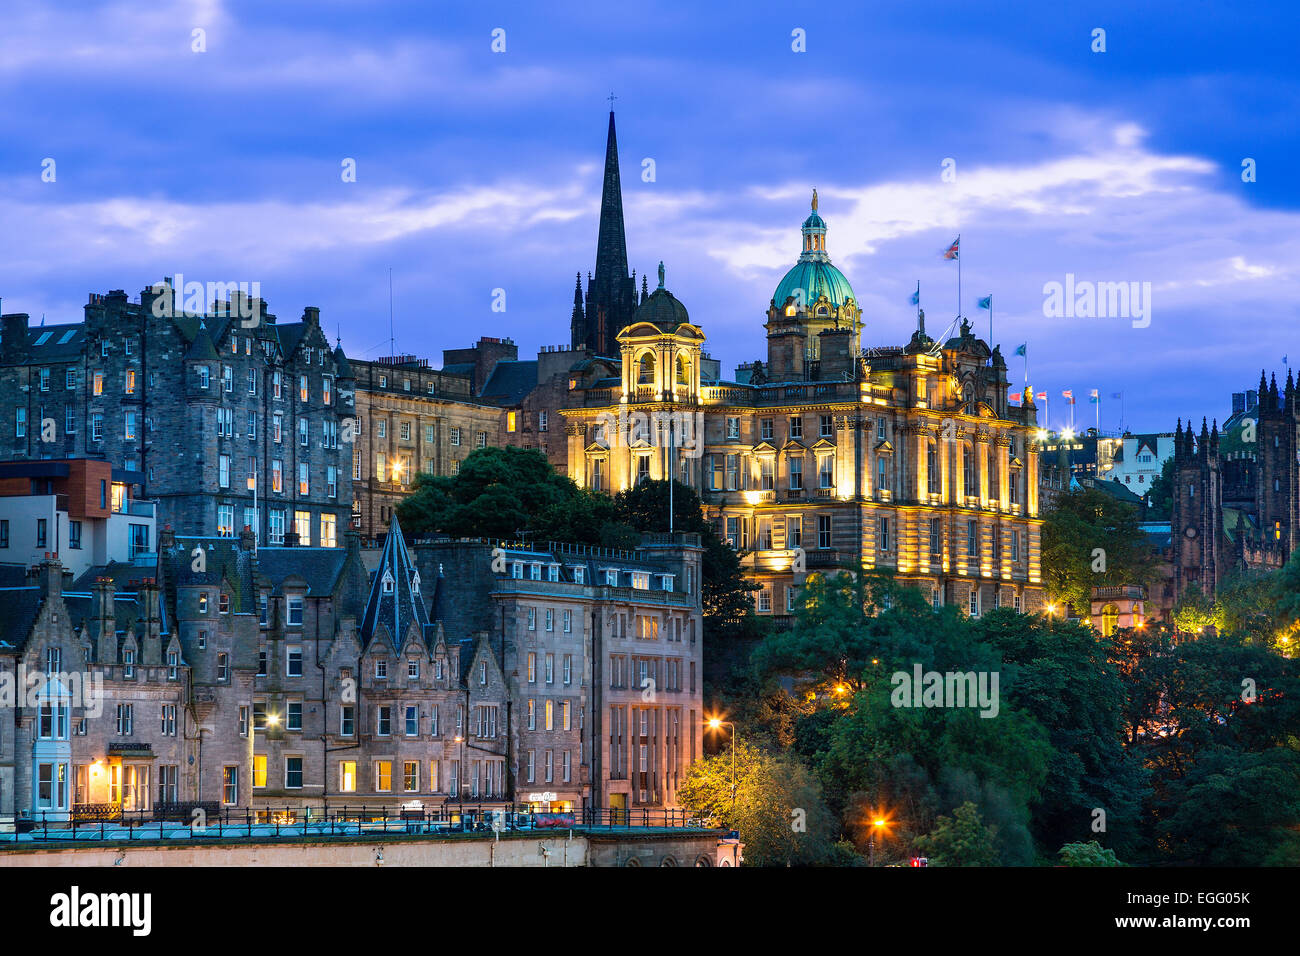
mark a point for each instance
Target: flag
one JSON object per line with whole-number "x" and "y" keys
{"x": 1023, "y": 349}
{"x": 916, "y": 296}
{"x": 987, "y": 302}
{"x": 1068, "y": 394}
{"x": 1116, "y": 394}
{"x": 1093, "y": 397}
{"x": 953, "y": 251}
{"x": 1040, "y": 396}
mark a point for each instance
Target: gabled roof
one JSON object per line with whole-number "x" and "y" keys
{"x": 396, "y": 600}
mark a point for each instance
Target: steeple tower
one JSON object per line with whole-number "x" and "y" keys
{"x": 611, "y": 294}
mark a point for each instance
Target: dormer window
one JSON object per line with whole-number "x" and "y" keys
{"x": 611, "y": 579}
{"x": 203, "y": 602}
{"x": 387, "y": 585}
{"x": 415, "y": 582}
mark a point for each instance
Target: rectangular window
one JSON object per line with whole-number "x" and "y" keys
{"x": 936, "y": 534}
{"x": 826, "y": 471}
{"x": 823, "y": 531}
{"x": 383, "y": 776}
{"x": 410, "y": 776}
{"x": 347, "y": 776}
{"x": 230, "y": 786}
{"x": 293, "y": 660}
{"x": 796, "y": 473}
{"x": 384, "y": 723}
{"x": 972, "y": 538}
{"x": 883, "y": 525}
{"x": 827, "y": 427}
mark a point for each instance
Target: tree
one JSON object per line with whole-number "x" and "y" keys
{"x": 1092, "y": 539}
{"x": 1160, "y": 493}
{"x": 1091, "y": 853}
{"x": 1063, "y": 675}
{"x": 777, "y": 807}
{"x": 498, "y": 493}
{"x": 959, "y": 840}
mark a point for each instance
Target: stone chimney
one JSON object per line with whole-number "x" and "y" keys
{"x": 13, "y": 338}
{"x": 48, "y": 576}
{"x": 151, "y": 635}
{"x": 102, "y": 594}
{"x": 291, "y": 539}
{"x": 247, "y": 540}
{"x": 166, "y": 539}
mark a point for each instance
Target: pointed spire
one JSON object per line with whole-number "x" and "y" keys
{"x": 613, "y": 294}
{"x": 396, "y": 602}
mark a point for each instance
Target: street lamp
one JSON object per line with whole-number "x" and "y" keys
{"x": 716, "y": 724}
{"x": 877, "y": 826}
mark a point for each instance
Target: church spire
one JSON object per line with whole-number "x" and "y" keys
{"x": 612, "y": 296}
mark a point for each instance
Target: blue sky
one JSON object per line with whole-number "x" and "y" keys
{"x": 479, "y": 170}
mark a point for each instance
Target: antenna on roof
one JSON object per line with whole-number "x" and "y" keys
{"x": 392, "y": 348}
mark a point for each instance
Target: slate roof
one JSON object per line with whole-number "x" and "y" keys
{"x": 510, "y": 382}
{"x": 21, "y": 606}
{"x": 401, "y": 607}
{"x": 224, "y": 560}
{"x": 321, "y": 568}
{"x": 59, "y": 345}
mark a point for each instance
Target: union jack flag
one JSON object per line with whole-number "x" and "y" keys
{"x": 953, "y": 250}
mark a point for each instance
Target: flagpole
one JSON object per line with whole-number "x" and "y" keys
{"x": 958, "y": 276}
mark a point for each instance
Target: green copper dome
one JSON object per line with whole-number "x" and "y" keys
{"x": 816, "y": 277}
{"x": 813, "y": 275}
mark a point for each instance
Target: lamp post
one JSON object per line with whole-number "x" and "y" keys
{"x": 716, "y": 724}
{"x": 876, "y": 825}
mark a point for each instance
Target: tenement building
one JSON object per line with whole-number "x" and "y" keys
{"x": 219, "y": 675}
{"x": 412, "y": 418}
{"x": 227, "y": 418}
{"x": 908, "y": 458}
{"x": 601, "y": 655}
{"x": 1236, "y": 492}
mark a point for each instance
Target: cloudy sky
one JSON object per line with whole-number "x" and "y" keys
{"x": 479, "y": 170}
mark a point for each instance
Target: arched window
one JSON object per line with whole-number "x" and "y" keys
{"x": 1109, "y": 619}
{"x": 646, "y": 369}
{"x": 683, "y": 371}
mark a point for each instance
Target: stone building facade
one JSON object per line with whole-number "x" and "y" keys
{"x": 411, "y": 418}
{"x": 602, "y": 654}
{"x": 908, "y": 458}
{"x": 199, "y": 405}
{"x": 1236, "y": 492}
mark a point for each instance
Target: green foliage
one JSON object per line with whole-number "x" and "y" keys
{"x": 1062, "y": 674}
{"x": 507, "y": 493}
{"x": 497, "y": 494}
{"x": 1091, "y": 853}
{"x": 1234, "y": 809}
{"x": 1160, "y": 494}
{"x": 1079, "y": 525}
{"x": 959, "y": 840}
{"x": 777, "y": 807}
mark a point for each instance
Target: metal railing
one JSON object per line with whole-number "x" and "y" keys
{"x": 201, "y": 821}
